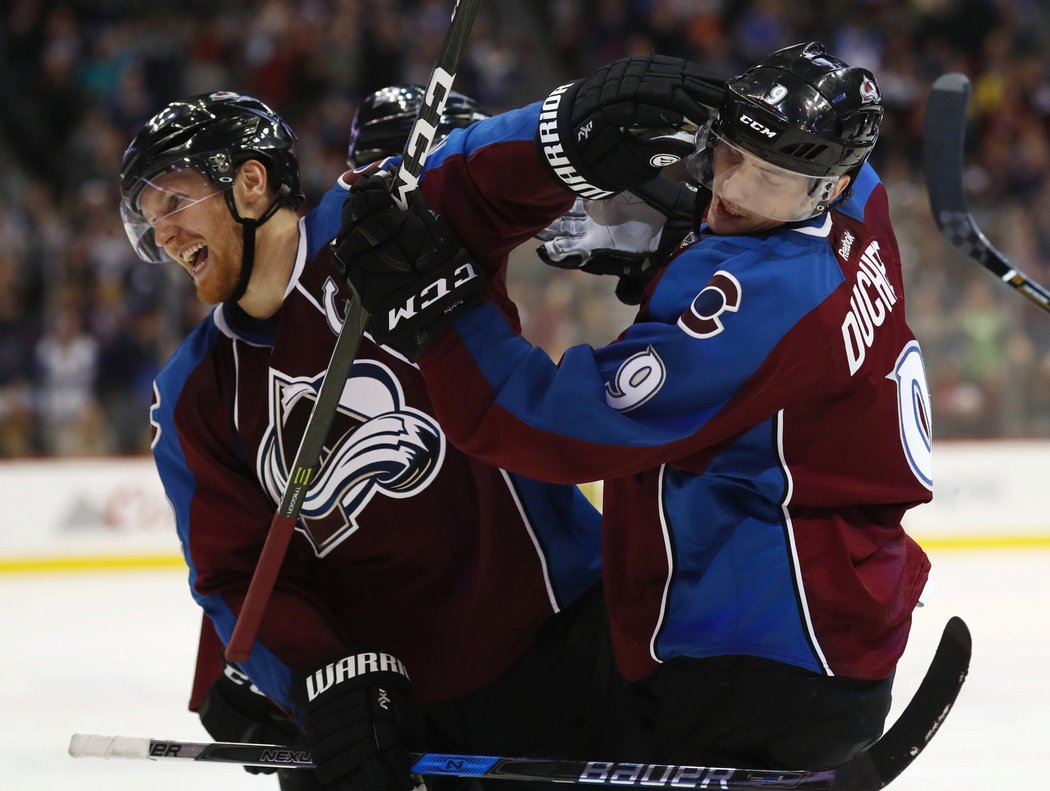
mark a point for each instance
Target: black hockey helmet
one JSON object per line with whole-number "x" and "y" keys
{"x": 212, "y": 133}
{"x": 384, "y": 120}
{"x": 805, "y": 111}
{"x": 807, "y": 116}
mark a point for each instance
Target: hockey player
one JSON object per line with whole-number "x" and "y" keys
{"x": 231, "y": 707}
{"x": 761, "y": 428}
{"x": 409, "y": 554}
{"x": 428, "y": 598}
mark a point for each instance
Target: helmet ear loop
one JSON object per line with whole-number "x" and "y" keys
{"x": 822, "y": 203}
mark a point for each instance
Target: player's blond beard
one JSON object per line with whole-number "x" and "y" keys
{"x": 222, "y": 278}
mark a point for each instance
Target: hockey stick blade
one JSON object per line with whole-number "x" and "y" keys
{"x": 870, "y": 770}
{"x": 943, "y": 148}
{"x": 881, "y": 763}
{"x": 307, "y": 458}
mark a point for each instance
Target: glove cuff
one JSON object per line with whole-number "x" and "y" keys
{"x": 408, "y": 319}
{"x": 557, "y": 143}
{"x": 340, "y": 673}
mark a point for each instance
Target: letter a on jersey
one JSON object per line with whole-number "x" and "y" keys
{"x": 721, "y": 294}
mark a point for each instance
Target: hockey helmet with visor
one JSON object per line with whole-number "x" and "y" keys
{"x": 211, "y": 133}
{"x": 789, "y": 129}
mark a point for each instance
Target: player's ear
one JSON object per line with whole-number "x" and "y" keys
{"x": 251, "y": 188}
{"x": 843, "y": 182}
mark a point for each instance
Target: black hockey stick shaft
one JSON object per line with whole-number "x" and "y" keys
{"x": 943, "y": 153}
{"x": 308, "y": 456}
{"x": 870, "y": 770}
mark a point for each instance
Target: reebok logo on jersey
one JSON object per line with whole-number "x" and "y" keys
{"x": 845, "y": 245}
{"x": 351, "y": 667}
{"x": 870, "y": 303}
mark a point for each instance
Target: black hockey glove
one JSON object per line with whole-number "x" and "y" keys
{"x": 616, "y": 129}
{"x": 233, "y": 710}
{"x": 406, "y": 267}
{"x": 361, "y": 722}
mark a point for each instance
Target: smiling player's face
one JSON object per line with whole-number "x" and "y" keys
{"x": 193, "y": 225}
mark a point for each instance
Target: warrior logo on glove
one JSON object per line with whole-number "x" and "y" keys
{"x": 351, "y": 667}
{"x": 616, "y": 129}
{"x": 361, "y": 721}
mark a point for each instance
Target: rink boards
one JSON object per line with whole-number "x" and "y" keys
{"x": 112, "y": 513}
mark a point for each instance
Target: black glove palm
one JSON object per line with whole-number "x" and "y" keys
{"x": 616, "y": 129}
{"x": 361, "y": 721}
{"x": 406, "y": 267}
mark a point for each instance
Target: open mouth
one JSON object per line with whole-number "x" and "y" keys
{"x": 729, "y": 209}
{"x": 195, "y": 258}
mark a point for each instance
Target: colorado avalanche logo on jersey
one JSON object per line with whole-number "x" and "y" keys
{"x": 377, "y": 445}
{"x": 721, "y": 294}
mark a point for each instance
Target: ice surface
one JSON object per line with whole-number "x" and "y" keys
{"x": 112, "y": 654}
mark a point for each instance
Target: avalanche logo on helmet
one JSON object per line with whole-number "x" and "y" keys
{"x": 869, "y": 92}
{"x": 383, "y": 447}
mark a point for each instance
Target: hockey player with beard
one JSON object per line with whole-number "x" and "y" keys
{"x": 762, "y": 426}
{"x": 475, "y": 586}
{"x": 231, "y": 707}
{"x": 428, "y": 598}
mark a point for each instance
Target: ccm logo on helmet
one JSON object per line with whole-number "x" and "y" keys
{"x": 762, "y": 129}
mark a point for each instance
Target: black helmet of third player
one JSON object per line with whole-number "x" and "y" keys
{"x": 803, "y": 111}
{"x": 212, "y": 133}
{"x": 382, "y": 124}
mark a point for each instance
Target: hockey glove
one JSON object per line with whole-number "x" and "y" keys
{"x": 406, "y": 267}
{"x": 361, "y": 722}
{"x": 626, "y": 236}
{"x": 234, "y": 710}
{"x": 616, "y": 129}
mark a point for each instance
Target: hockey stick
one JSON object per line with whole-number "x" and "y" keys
{"x": 943, "y": 138}
{"x": 871, "y": 769}
{"x": 307, "y": 458}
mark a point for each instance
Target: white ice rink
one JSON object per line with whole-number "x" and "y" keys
{"x": 112, "y": 653}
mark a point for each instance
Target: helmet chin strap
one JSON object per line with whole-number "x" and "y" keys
{"x": 249, "y": 226}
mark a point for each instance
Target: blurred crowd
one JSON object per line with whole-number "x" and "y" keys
{"x": 84, "y": 326}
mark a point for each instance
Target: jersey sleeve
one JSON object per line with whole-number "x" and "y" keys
{"x": 491, "y": 185}
{"x": 659, "y": 393}
{"x": 223, "y": 517}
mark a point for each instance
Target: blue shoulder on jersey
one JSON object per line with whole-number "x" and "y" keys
{"x": 865, "y": 182}
{"x": 323, "y": 221}
{"x": 515, "y": 125}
